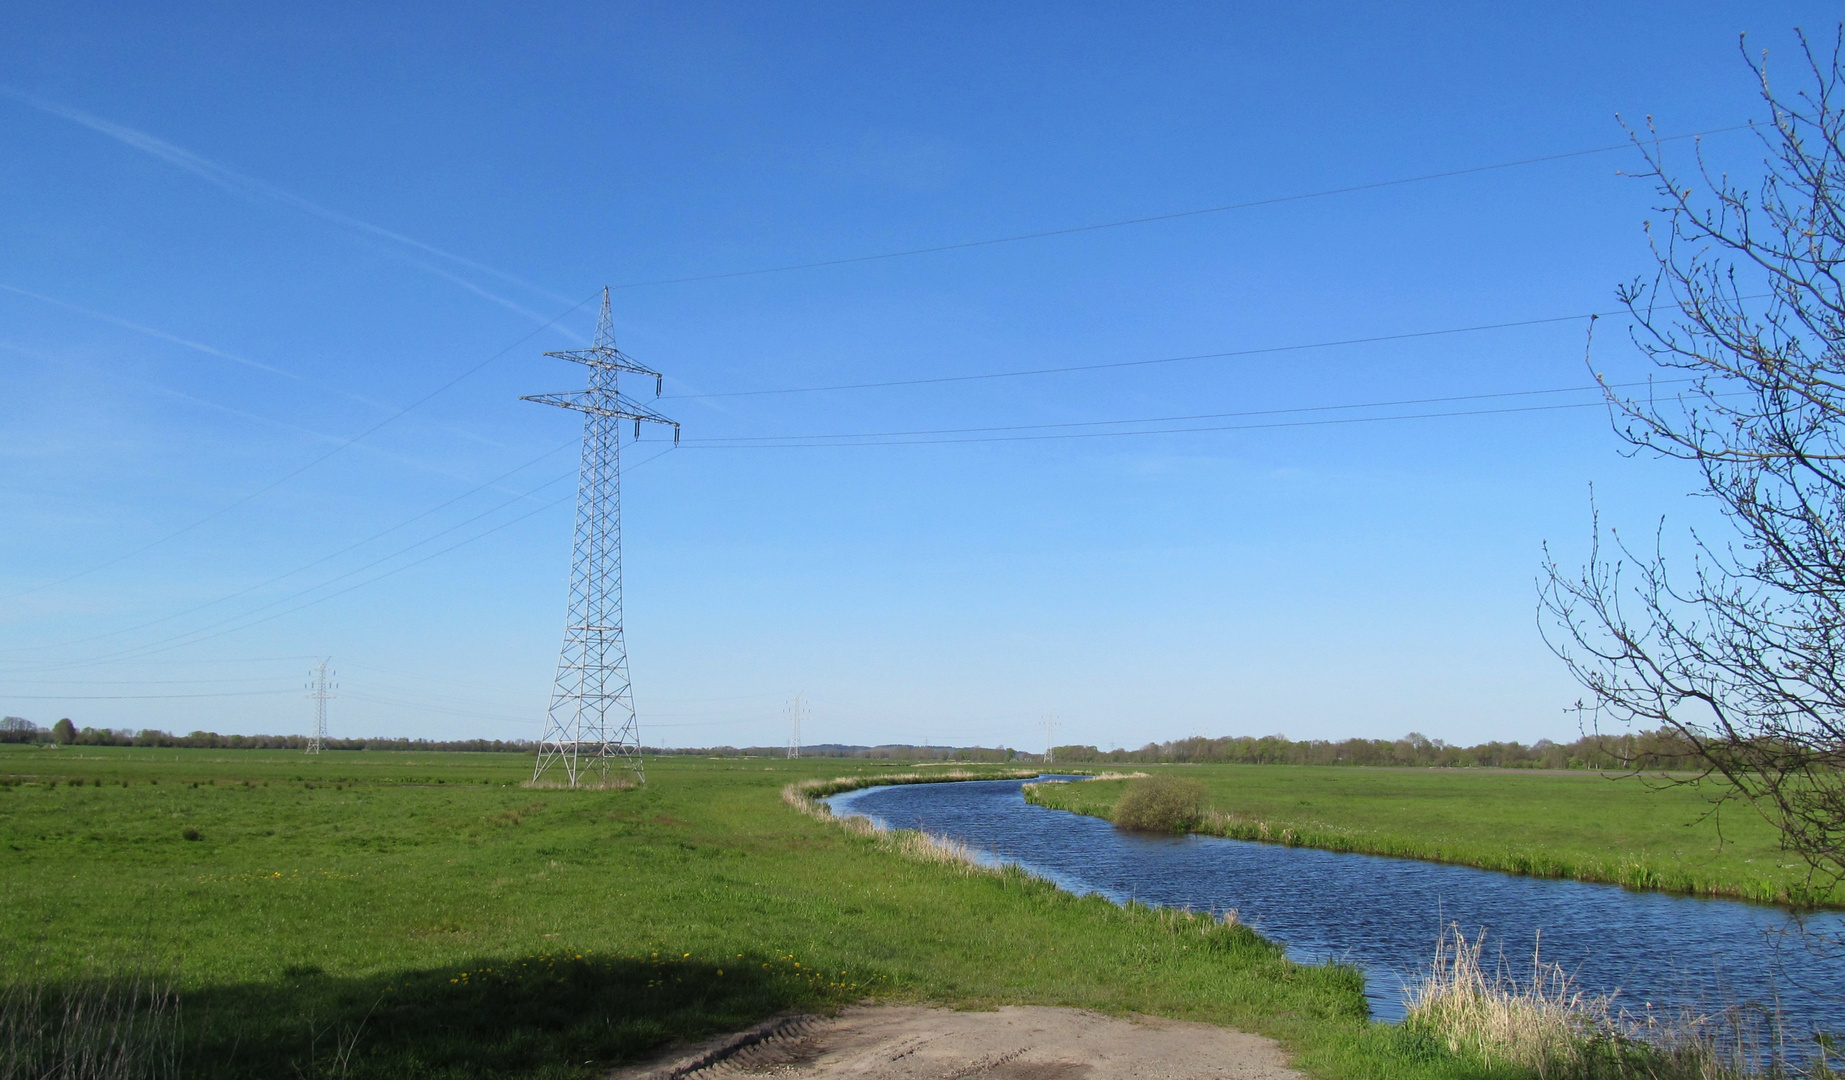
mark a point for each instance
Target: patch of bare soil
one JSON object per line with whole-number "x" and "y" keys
{"x": 1012, "y": 1043}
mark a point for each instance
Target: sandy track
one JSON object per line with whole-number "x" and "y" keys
{"x": 1012, "y": 1043}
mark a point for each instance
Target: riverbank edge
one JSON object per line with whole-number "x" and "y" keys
{"x": 805, "y": 796}
{"x": 1638, "y": 877}
{"x": 1369, "y": 1049}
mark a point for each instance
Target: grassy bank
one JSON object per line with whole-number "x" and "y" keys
{"x": 1585, "y": 826}
{"x": 421, "y": 915}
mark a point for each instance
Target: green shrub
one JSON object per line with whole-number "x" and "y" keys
{"x": 1160, "y": 804}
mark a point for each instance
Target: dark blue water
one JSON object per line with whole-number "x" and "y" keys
{"x": 1383, "y": 915}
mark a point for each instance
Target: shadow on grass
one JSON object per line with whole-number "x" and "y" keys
{"x": 558, "y": 1015}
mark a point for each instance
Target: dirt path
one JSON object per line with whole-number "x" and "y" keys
{"x": 1012, "y": 1043}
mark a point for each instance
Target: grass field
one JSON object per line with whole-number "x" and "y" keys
{"x": 1581, "y": 825}
{"x": 421, "y": 915}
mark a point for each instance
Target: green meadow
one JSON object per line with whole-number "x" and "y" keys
{"x": 1646, "y": 833}
{"x": 373, "y": 914}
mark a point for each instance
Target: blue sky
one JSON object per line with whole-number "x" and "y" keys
{"x": 238, "y": 241}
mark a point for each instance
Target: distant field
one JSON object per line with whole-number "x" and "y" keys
{"x": 425, "y": 912}
{"x": 1581, "y": 825}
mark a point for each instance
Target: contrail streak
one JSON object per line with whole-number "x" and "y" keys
{"x": 209, "y": 350}
{"x": 249, "y": 187}
{"x": 161, "y": 334}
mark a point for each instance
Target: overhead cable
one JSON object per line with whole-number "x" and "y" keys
{"x": 765, "y": 441}
{"x": 756, "y": 439}
{"x": 1175, "y": 215}
{"x": 197, "y": 636}
{"x": 1158, "y": 360}
{"x": 324, "y": 558}
{"x": 367, "y": 566}
{"x": 278, "y": 482}
{"x": 143, "y": 697}
{"x": 1151, "y": 431}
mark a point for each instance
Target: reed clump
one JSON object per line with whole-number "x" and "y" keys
{"x": 1548, "y": 1026}
{"x": 1164, "y": 803}
{"x": 108, "y": 1029}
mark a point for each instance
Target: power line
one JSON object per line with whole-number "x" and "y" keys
{"x": 360, "y": 569}
{"x": 1174, "y": 216}
{"x": 876, "y": 439}
{"x": 765, "y": 439}
{"x": 208, "y": 350}
{"x": 1230, "y": 354}
{"x": 142, "y": 697}
{"x": 1153, "y": 431}
{"x": 132, "y": 682}
{"x": 153, "y": 647}
{"x": 900, "y": 438}
{"x": 325, "y": 558}
{"x": 1267, "y": 350}
{"x": 424, "y": 706}
{"x": 239, "y": 659}
{"x": 869, "y": 439}
{"x": 227, "y": 508}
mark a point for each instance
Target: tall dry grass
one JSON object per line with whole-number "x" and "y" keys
{"x": 1546, "y": 1025}
{"x": 103, "y": 1029}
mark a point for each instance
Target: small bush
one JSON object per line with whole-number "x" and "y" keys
{"x": 191, "y": 833}
{"x": 1162, "y": 803}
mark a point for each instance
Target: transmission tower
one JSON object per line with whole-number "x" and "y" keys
{"x": 796, "y": 707}
{"x": 1050, "y": 737}
{"x": 318, "y": 692}
{"x": 591, "y": 720}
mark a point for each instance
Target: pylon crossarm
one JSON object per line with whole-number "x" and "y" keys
{"x": 599, "y": 404}
{"x": 607, "y": 358}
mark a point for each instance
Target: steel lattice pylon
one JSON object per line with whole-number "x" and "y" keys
{"x": 318, "y": 692}
{"x": 591, "y": 720}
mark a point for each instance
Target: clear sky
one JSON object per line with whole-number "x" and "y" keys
{"x": 238, "y": 241}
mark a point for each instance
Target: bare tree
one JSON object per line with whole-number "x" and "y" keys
{"x": 1741, "y": 653}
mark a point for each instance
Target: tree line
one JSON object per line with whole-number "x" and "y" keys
{"x": 14, "y": 729}
{"x": 1663, "y": 749}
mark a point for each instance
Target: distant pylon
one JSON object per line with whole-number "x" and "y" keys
{"x": 591, "y": 720}
{"x": 796, "y": 708}
{"x": 318, "y": 692}
{"x": 1050, "y": 737}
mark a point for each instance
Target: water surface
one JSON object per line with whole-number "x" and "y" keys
{"x": 1384, "y": 914}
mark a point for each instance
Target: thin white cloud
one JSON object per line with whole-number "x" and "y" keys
{"x": 209, "y": 350}
{"x": 320, "y": 436}
{"x": 248, "y": 187}
{"x": 162, "y": 335}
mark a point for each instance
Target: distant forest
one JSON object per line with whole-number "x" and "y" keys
{"x": 13, "y": 729}
{"x": 1651, "y": 750}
